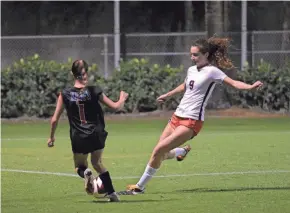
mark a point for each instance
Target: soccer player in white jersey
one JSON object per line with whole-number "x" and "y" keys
{"x": 209, "y": 57}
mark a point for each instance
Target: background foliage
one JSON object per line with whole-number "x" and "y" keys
{"x": 30, "y": 86}
{"x": 275, "y": 94}
{"x": 144, "y": 83}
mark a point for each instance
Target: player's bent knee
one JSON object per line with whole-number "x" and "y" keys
{"x": 159, "y": 152}
{"x": 161, "y": 149}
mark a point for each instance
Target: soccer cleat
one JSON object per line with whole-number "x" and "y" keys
{"x": 187, "y": 149}
{"x": 89, "y": 187}
{"x": 135, "y": 189}
{"x": 113, "y": 197}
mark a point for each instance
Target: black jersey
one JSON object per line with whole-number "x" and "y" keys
{"x": 84, "y": 112}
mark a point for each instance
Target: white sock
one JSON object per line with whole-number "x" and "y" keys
{"x": 179, "y": 151}
{"x": 147, "y": 175}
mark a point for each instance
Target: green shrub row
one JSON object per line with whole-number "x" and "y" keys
{"x": 273, "y": 96}
{"x": 144, "y": 83}
{"x": 30, "y": 86}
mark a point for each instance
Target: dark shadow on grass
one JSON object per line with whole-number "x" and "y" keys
{"x": 204, "y": 190}
{"x": 127, "y": 201}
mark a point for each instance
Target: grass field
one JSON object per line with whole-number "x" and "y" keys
{"x": 236, "y": 165}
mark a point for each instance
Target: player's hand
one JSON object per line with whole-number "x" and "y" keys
{"x": 50, "y": 142}
{"x": 123, "y": 95}
{"x": 257, "y": 85}
{"x": 162, "y": 98}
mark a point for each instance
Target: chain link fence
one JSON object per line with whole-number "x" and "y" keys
{"x": 166, "y": 48}
{"x": 270, "y": 46}
{"x": 161, "y": 48}
{"x": 92, "y": 48}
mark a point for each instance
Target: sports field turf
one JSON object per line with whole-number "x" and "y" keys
{"x": 236, "y": 165}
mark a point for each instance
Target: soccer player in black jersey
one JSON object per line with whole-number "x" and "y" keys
{"x": 87, "y": 126}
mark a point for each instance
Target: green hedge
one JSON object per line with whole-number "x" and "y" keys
{"x": 30, "y": 86}
{"x": 144, "y": 83}
{"x": 275, "y": 94}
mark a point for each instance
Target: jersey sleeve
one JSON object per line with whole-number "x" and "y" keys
{"x": 97, "y": 90}
{"x": 64, "y": 95}
{"x": 218, "y": 76}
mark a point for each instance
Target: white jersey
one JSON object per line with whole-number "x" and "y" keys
{"x": 199, "y": 85}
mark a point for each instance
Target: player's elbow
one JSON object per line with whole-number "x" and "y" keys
{"x": 53, "y": 121}
{"x": 117, "y": 106}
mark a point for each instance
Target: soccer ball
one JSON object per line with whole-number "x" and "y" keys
{"x": 98, "y": 187}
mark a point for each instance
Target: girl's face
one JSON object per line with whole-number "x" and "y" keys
{"x": 198, "y": 58}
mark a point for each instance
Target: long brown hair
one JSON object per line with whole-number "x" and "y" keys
{"x": 217, "y": 49}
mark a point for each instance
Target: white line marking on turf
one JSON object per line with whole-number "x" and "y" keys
{"x": 205, "y": 133}
{"x": 157, "y": 176}
{"x": 28, "y": 138}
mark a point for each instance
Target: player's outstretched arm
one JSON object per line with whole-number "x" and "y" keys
{"x": 114, "y": 105}
{"x": 177, "y": 90}
{"x": 54, "y": 120}
{"x": 241, "y": 85}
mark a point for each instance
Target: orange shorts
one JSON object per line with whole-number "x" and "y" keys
{"x": 195, "y": 125}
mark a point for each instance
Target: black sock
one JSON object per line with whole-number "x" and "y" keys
{"x": 106, "y": 179}
{"x": 81, "y": 171}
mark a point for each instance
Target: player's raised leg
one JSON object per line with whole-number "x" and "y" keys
{"x": 179, "y": 136}
{"x": 178, "y": 153}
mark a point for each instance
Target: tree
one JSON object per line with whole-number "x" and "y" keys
{"x": 176, "y": 25}
{"x": 214, "y": 18}
{"x": 226, "y": 19}
{"x": 214, "y": 25}
{"x": 186, "y": 41}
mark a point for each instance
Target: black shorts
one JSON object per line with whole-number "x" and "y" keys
{"x": 85, "y": 144}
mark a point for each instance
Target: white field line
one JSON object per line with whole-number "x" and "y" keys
{"x": 157, "y": 176}
{"x": 203, "y": 134}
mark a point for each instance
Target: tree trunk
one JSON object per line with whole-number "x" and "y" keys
{"x": 171, "y": 41}
{"x": 188, "y": 16}
{"x": 187, "y": 40}
{"x": 177, "y": 25}
{"x": 226, "y": 20}
{"x": 214, "y": 25}
{"x": 214, "y": 18}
